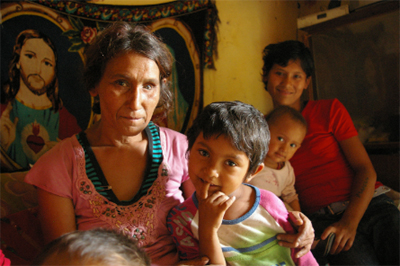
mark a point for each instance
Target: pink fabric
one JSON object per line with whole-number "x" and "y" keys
{"x": 323, "y": 175}
{"x": 278, "y": 181}
{"x": 260, "y": 223}
{"x": 3, "y": 260}
{"x": 277, "y": 210}
{"x": 61, "y": 171}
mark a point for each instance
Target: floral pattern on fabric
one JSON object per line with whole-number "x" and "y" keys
{"x": 136, "y": 220}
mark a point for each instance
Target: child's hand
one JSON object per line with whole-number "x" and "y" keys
{"x": 212, "y": 207}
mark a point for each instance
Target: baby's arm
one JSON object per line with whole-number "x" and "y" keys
{"x": 289, "y": 194}
{"x": 295, "y": 204}
{"x": 211, "y": 212}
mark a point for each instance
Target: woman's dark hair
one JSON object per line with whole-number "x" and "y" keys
{"x": 98, "y": 246}
{"x": 123, "y": 37}
{"x": 281, "y": 53}
{"x": 241, "y": 123}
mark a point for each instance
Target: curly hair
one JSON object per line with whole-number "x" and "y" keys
{"x": 123, "y": 37}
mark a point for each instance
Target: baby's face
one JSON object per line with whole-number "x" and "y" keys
{"x": 216, "y": 165}
{"x": 286, "y": 137}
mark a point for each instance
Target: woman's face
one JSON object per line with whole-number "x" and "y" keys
{"x": 129, "y": 92}
{"x": 286, "y": 84}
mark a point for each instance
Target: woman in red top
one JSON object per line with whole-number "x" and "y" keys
{"x": 335, "y": 178}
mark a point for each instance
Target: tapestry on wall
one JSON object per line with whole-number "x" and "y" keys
{"x": 42, "y": 96}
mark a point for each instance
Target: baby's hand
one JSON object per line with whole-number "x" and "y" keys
{"x": 212, "y": 207}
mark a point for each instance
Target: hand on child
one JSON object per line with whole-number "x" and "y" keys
{"x": 301, "y": 240}
{"x": 212, "y": 207}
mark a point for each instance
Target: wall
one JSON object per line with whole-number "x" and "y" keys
{"x": 246, "y": 27}
{"x": 309, "y": 7}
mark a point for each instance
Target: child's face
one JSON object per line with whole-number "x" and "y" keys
{"x": 286, "y": 138}
{"x": 217, "y": 163}
{"x": 286, "y": 84}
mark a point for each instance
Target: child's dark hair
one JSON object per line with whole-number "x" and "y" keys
{"x": 281, "y": 53}
{"x": 243, "y": 124}
{"x": 95, "y": 247}
{"x": 276, "y": 114}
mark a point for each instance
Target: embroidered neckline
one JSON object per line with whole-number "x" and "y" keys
{"x": 96, "y": 175}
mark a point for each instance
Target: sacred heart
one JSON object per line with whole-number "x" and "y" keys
{"x": 34, "y": 141}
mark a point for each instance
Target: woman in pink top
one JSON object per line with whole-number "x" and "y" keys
{"x": 123, "y": 172}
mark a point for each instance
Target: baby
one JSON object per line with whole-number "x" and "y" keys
{"x": 103, "y": 247}
{"x": 225, "y": 219}
{"x": 288, "y": 129}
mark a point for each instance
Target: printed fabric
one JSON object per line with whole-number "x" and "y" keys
{"x": 248, "y": 240}
{"x": 278, "y": 181}
{"x": 36, "y": 128}
{"x": 62, "y": 172}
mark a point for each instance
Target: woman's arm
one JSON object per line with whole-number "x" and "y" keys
{"x": 57, "y": 215}
{"x": 362, "y": 191}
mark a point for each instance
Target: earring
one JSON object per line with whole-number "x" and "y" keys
{"x": 18, "y": 66}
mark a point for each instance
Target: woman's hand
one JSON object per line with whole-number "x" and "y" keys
{"x": 345, "y": 234}
{"x": 303, "y": 239}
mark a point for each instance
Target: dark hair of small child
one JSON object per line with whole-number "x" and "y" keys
{"x": 243, "y": 124}
{"x": 282, "y": 53}
{"x": 93, "y": 247}
{"x": 276, "y": 114}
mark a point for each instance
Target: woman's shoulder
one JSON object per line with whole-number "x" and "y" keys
{"x": 171, "y": 132}
{"x": 322, "y": 106}
{"x": 171, "y": 136}
{"x": 59, "y": 151}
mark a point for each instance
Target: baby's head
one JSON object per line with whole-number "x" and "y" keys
{"x": 240, "y": 123}
{"x": 288, "y": 129}
{"x": 93, "y": 247}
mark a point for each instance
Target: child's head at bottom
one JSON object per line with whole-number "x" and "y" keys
{"x": 93, "y": 247}
{"x": 288, "y": 129}
{"x": 242, "y": 125}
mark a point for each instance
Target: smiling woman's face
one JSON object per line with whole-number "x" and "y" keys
{"x": 129, "y": 92}
{"x": 286, "y": 84}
